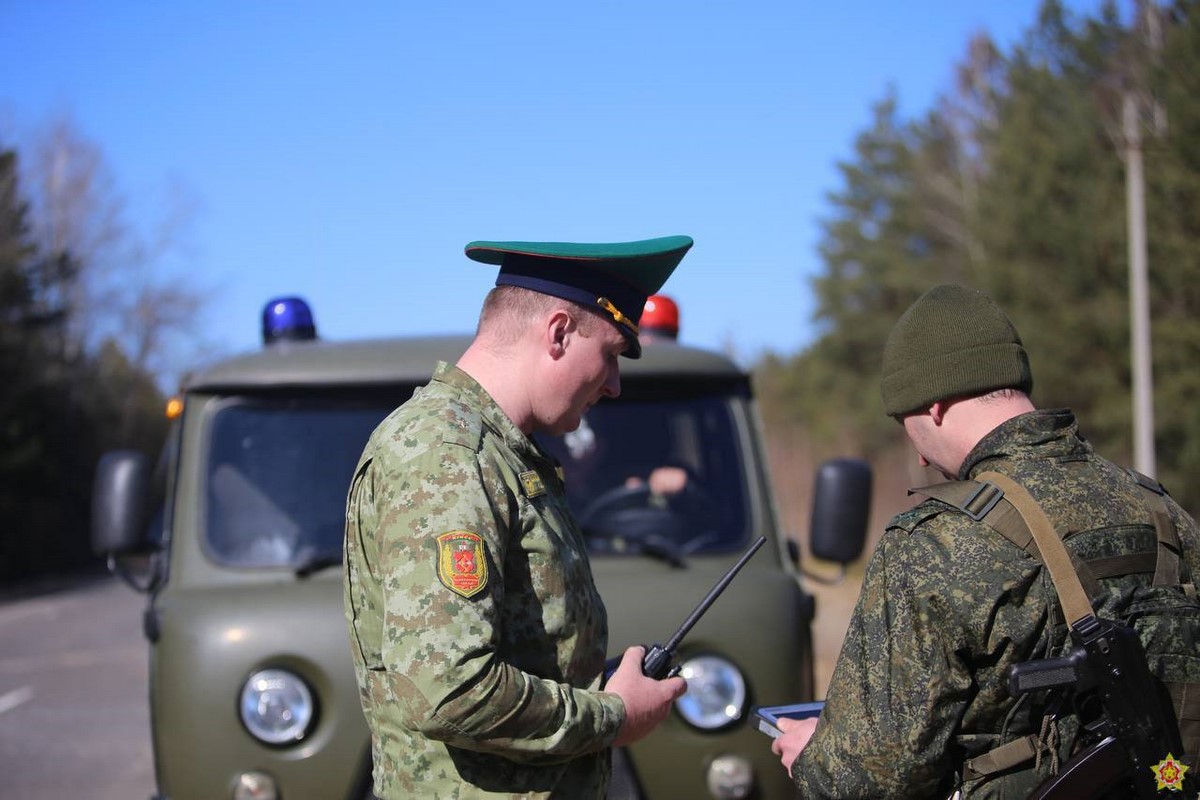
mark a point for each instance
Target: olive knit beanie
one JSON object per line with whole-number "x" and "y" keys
{"x": 952, "y": 342}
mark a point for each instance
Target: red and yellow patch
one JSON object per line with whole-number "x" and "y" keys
{"x": 1168, "y": 774}
{"x": 462, "y": 562}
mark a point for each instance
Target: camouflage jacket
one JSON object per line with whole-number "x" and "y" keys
{"x": 947, "y": 606}
{"x": 477, "y": 632}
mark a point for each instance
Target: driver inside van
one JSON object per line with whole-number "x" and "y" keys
{"x": 663, "y": 482}
{"x": 596, "y": 463}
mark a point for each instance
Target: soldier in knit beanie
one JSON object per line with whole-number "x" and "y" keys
{"x": 952, "y": 342}
{"x": 952, "y": 599}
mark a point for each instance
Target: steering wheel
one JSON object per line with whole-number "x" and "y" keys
{"x": 612, "y": 502}
{"x": 627, "y": 511}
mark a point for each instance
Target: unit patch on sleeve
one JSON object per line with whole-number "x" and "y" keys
{"x": 462, "y": 563}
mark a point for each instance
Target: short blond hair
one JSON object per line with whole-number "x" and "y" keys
{"x": 507, "y": 309}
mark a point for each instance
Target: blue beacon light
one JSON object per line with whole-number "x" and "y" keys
{"x": 287, "y": 319}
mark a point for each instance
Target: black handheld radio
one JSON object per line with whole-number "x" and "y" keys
{"x": 657, "y": 663}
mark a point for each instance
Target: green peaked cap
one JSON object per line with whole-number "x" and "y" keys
{"x": 613, "y": 279}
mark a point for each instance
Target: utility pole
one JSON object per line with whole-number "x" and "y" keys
{"x": 1144, "y": 460}
{"x": 1136, "y": 100}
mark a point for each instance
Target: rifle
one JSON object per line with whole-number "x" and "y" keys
{"x": 1107, "y": 662}
{"x": 657, "y": 663}
{"x": 1117, "y": 699}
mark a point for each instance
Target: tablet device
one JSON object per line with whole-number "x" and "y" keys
{"x": 767, "y": 717}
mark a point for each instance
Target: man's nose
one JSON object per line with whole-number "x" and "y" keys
{"x": 612, "y": 382}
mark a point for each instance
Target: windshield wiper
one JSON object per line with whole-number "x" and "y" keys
{"x": 318, "y": 563}
{"x": 652, "y": 545}
{"x": 664, "y": 548}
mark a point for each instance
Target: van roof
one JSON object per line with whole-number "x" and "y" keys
{"x": 371, "y": 362}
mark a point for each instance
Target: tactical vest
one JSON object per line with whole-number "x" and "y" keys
{"x": 1165, "y": 613}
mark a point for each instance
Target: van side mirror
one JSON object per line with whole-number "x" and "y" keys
{"x": 121, "y": 530}
{"x": 121, "y": 504}
{"x": 841, "y": 505}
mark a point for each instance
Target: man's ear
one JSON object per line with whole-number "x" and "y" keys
{"x": 937, "y": 412}
{"x": 559, "y": 327}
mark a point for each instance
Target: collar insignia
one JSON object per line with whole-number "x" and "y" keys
{"x": 531, "y": 482}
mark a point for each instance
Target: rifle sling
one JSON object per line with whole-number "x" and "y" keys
{"x": 987, "y": 502}
{"x": 1075, "y": 604}
{"x": 991, "y": 502}
{"x": 1008, "y": 508}
{"x": 978, "y": 501}
{"x": 998, "y": 759}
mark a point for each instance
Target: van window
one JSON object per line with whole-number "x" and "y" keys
{"x": 278, "y": 473}
{"x": 279, "y": 468}
{"x": 669, "y": 468}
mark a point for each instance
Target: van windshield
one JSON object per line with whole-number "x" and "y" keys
{"x": 660, "y": 471}
{"x": 664, "y": 472}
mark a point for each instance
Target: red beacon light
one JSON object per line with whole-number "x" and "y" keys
{"x": 660, "y": 318}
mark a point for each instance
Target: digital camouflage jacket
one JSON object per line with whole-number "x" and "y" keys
{"x": 477, "y": 632}
{"x": 948, "y": 605}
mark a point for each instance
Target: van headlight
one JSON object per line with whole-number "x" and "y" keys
{"x": 716, "y": 694}
{"x": 276, "y": 706}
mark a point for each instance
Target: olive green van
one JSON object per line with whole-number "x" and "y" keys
{"x": 235, "y": 533}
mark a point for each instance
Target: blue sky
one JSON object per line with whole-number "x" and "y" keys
{"x": 347, "y": 152}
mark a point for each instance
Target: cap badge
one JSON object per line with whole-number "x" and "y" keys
{"x": 616, "y": 314}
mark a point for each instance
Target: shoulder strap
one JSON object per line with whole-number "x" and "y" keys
{"x": 1007, "y": 507}
{"x": 982, "y": 502}
{"x": 1166, "y": 568}
{"x": 1074, "y": 600}
{"x": 986, "y": 502}
{"x": 1050, "y": 550}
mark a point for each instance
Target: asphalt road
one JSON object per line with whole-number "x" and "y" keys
{"x": 74, "y": 722}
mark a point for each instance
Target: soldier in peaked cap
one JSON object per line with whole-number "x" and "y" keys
{"x": 613, "y": 280}
{"x": 477, "y": 632}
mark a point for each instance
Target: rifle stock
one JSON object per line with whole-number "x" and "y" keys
{"x": 1139, "y": 729}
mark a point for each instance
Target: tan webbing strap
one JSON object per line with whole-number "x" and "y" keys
{"x": 1186, "y": 699}
{"x": 980, "y": 500}
{"x": 1007, "y": 507}
{"x": 1074, "y": 600}
{"x": 1128, "y": 564}
{"x": 1067, "y": 577}
{"x": 1166, "y": 571}
{"x": 1018, "y": 751}
{"x": 985, "y": 502}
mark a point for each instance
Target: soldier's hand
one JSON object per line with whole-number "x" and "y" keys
{"x": 647, "y": 701}
{"x": 795, "y": 736}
